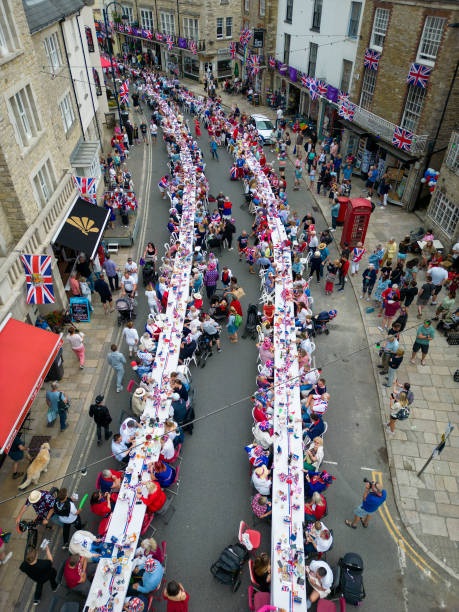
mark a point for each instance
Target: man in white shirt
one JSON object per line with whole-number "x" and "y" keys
{"x": 280, "y": 115}
{"x": 439, "y": 277}
{"x": 128, "y": 430}
{"x": 128, "y": 286}
{"x": 320, "y": 578}
{"x": 119, "y": 449}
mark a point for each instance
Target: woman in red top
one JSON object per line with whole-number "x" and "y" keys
{"x": 343, "y": 269}
{"x": 176, "y": 596}
{"x": 156, "y": 498}
{"x": 316, "y": 508}
{"x": 101, "y": 506}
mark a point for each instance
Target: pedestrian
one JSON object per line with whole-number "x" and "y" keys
{"x": 368, "y": 281}
{"x": 101, "y": 415}
{"x": 40, "y": 571}
{"x": 117, "y": 361}
{"x": 334, "y": 215}
{"x": 399, "y": 410}
{"x": 76, "y": 339}
{"x": 86, "y": 292}
{"x": 424, "y": 294}
{"x": 312, "y": 177}
{"x": 424, "y": 335}
{"x": 373, "y": 497}
{"x": 112, "y": 272}
{"x": 74, "y": 285}
{"x": 371, "y": 180}
{"x": 176, "y": 596}
{"x": 16, "y": 454}
{"x": 232, "y": 324}
{"x": 299, "y": 167}
{"x": 4, "y": 556}
{"x": 210, "y": 279}
{"x": 153, "y": 132}
{"x": 316, "y": 264}
{"x": 143, "y": 130}
{"x": 343, "y": 270}
{"x": 439, "y": 276}
{"x": 391, "y": 306}
{"x": 357, "y": 253}
{"x": 395, "y": 361}
{"x": 131, "y": 336}
{"x": 83, "y": 267}
{"x": 332, "y": 270}
{"x": 104, "y": 292}
{"x": 213, "y": 148}
{"x": 68, "y": 515}
{"x": 408, "y": 292}
{"x": 228, "y": 231}
{"x": 56, "y": 401}
{"x": 387, "y": 348}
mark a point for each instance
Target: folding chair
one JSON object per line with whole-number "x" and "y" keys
{"x": 176, "y": 454}
{"x": 254, "y": 536}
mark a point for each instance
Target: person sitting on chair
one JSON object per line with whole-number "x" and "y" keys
{"x": 149, "y": 580}
{"x": 156, "y": 497}
{"x": 319, "y": 539}
{"x": 75, "y": 573}
{"x": 164, "y": 474}
{"x": 262, "y": 571}
{"x": 109, "y": 480}
{"x": 315, "y": 509}
{"x": 320, "y": 577}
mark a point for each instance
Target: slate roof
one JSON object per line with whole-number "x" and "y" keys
{"x": 42, "y": 13}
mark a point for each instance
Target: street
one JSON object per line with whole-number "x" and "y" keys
{"x": 215, "y": 490}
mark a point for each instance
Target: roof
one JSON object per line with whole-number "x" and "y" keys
{"x": 22, "y": 372}
{"x": 42, "y": 13}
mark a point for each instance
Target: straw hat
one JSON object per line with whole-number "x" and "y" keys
{"x": 262, "y": 472}
{"x": 322, "y": 246}
{"x": 34, "y": 497}
{"x": 139, "y": 392}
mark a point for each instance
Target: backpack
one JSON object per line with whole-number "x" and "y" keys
{"x": 63, "y": 405}
{"x": 227, "y": 568}
{"x": 237, "y": 320}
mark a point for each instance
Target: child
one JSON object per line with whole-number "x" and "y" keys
{"x": 312, "y": 177}
{"x": 298, "y": 172}
{"x": 332, "y": 269}
{"x": 131, "y": 336}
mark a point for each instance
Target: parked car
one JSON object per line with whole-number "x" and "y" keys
{"x": 265, "y": 127}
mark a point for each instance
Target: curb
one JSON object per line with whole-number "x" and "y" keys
{"x": 392, "y": 469}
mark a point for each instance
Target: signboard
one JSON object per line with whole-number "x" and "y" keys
{"x": 79, "y": 310}
{"x": 258, "y": 39}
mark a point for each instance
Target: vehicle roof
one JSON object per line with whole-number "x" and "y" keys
{"x": 264, "y": 117}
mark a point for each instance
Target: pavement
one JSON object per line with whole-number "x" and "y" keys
{"x": 215, "y": 490}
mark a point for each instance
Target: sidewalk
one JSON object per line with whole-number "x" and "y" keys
{"x": 428, "y": 507}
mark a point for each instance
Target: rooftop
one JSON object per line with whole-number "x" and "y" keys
{"x": 42, "y": 13}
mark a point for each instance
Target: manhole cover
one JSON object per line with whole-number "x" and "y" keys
{"x": 35, "y": 444}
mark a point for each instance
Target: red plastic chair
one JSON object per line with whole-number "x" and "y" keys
{"x": 131, "y": 384}
{"x": 176, "y": 454}
{"x": 261, "y": 599}
{"x": 150, "y": 604}
{"x": 324, "y": 605}
{"x": 146, "y": 522}
{"x": 254, "y": 536}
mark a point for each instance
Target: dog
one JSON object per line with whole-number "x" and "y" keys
{"x": 38, "y": 465}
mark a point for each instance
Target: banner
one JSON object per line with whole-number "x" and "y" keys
{"x": 38, "y": 278}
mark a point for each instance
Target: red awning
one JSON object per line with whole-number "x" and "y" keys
{"x": 26, "y": 355}
{"x": 106, "y": 63}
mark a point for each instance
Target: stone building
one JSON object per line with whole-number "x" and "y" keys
{"x": 42, "y": 127}
{"x": 401, "y": 38}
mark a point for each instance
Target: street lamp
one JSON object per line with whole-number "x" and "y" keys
{"x": 109, "y": 47}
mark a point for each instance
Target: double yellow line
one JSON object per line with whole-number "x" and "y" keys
{"x": 400, "y": 541}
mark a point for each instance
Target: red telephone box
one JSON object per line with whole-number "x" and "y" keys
{"x": 343, "y": 200}
{"x": 356, "y": 221}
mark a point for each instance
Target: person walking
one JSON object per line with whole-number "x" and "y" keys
{"x": 117, "y": 361}
{"x": 424, "y": 294}
{"x": 211, "y": 279}
{"x": 395, "y": 361}
{"x": 424, "y": 335}
{"x": 40, "y": 571}
{"x": 57, "y": 402}
{"x": 16, "y": 454}
{"x": 373, "y": 497}
{"x": 112, "y": 273}
{"x": 343, "y": 270}
{"x": 131, "y": 336}
{"x": 101, "y": 415}
{"x": 75, "y": 339}
{"x": 176, "y": 596}
{"x": 68, "y": 515}
{"x": 104, "y": 292}
{"x": 334, "y": 215}
{"x": 213, "y": 148}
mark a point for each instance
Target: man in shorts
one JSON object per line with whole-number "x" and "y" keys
{"x": 153, "y": 132}
{"x": 425, "y": 292}
{"x": 424, "y": 335}
{"x": 373, "y": 497}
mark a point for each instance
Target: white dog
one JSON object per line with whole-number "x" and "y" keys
{"x": 38, "y": 465}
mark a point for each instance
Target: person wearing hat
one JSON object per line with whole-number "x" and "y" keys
{"x": 197, "y": 300}
{"x": 101, "y": 415}
{"x": 138, "y": 399}
{"x": 135, "y": 604}
{"x": 150, "y": 579}
{"x": 40, "y": 571}
{"x": 261, "y": 480}
{"x": 316, "y": 264}
{"x": 43, "y": 504}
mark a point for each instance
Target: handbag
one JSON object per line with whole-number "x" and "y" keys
{"x": 63, "y": 405}
{"x": 403, "y": 414}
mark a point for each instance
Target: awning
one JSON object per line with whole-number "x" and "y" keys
{"x": 83, "y": 227}
{"x": 26, "y": 355}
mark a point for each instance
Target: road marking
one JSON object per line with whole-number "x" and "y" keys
{"x": 367, "y": 469}
{"x": 331, "y": 462}
{"x": 401, "y": 542}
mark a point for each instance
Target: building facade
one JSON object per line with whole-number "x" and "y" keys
{"x": 41, "y": 130}
{"x": 405, "y": 89}
{"x": 318, "y": 39}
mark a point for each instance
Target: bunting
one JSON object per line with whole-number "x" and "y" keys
{"x": 192, "y": 47}
{"x": 347, "y": 110}
{"x": 321, "y": 87}
{"x": 124, "y": 93}
{"x": 169, "y": 41}
{"x": 272, "y": 62}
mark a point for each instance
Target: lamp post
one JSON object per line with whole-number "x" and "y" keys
{"x": 109, "y": 47}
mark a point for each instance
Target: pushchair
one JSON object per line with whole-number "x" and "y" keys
{"x": 252, "y": 321}
{"x": 203, "y": 350}
{"x": 348, "y": 579}
{"x": 125, "y": 307}
{"x": 148, "y": 273}
{"x": 321, "y": 320}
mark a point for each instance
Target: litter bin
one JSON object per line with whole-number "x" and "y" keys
{"x": 56, "y": 371}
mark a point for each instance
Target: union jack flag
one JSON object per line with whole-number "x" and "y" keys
{"x": 342, "y": 97}
{"x": 38, "y": 278}
{"x": 371, "y": 59}
{"x": 128, "y": 29}
{"x": 124, "y": 92}
{"x": 246, "y": 35}
{"x": 272, "y": 62}
{"x": 233, "y": 49}
{"x": 305, "y": 81}
{"x": 159, "y": 36}
{"x": 192, "y": 46}
{"x": 312, "y": 86}
{"x": 254, "y": 63}
{"x": 418, "y": 75}
{"x": 120, "y": 27}
{"x": 321, "y": 88}
{"x": 402, "y": 138}
{"x": 147, "y": 34}
{"x": 169, "y": 41}
{"x": 347, "y": 110}
{"x": 86, "y": 187}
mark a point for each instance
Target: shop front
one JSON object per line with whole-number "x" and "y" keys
{"x": 224, "y": 67}
{"x": 191, "y": 65}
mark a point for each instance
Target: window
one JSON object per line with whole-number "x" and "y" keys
{"x": 191, "y": 28}
{"x": 44, "y": 182}
{"x": 96, "y": 78}
{"x": 224, "y": 1}
{"x": 53, "y": 51}
{"x": 229, "y": 27}
{"x": 413, "y": 107}
{"x": 368, "y": 88}
{"x": 380, "y": 23}
{"x": 191, "y": 67}
{"x": 431, "y": 39}
{"x": 246, "y": 6}
{"x": 219, "y": 27}
{"x": 89, "y": 39}
{"x": 262, "y": 8}
{"x": 67, "y": 114}
{"x": 289, "y": 12}
{"x": 167, "y": 23}
{"x": 452, "y": 157}
{"x": 287, "y": 40}
{"x": 354, "y": 19}
{"x": 146, "y": 19}
{"x": 8, "y": 38}
{"x": 224, "y": 68}
{"x": 25, "y": 116}
{"x": 313, "y": 49}
{"x": 316, "y": 15}
{"x": 346, "y": 75}
{"x": 128, "y": 13}
{"x": 444, "y": 212}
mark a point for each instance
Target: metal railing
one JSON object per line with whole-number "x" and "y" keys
{"x": 452, "y": 156}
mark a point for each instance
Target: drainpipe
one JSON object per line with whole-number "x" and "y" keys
{"x": 61, "y": 21}
{"x": 89, "y": 83}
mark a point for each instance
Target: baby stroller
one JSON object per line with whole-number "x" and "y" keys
{"x": 349, "y": 579}
{"x": 253, "y": 319}
{"x": 203, "y": 350}
{"x": 125, "y": 307}
{"x": 148, "y": 273}
{"x": 320, "y": 321}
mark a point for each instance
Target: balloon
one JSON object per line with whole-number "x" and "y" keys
{"x": 85, "y": 497}
{"x": 423, "y": 180}
{"x": 133, "y": 363}
{"x": 431, "y": 183}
